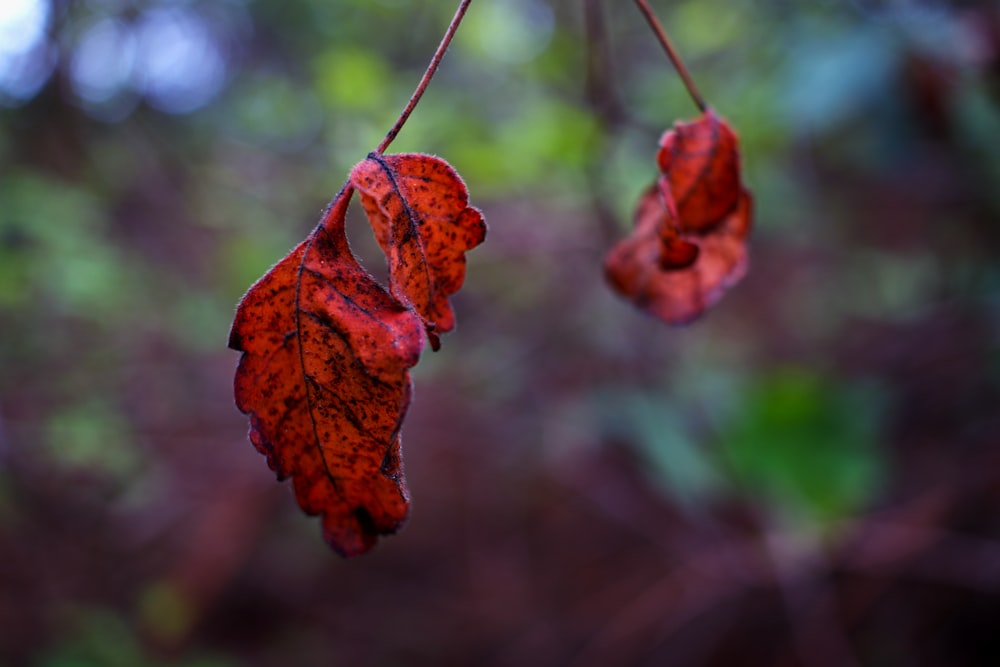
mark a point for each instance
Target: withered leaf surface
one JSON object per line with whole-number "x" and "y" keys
{"x": 324, "y": 374}
{"x": 419, "y": 209}
{"x": 701, "y": 162}
{"x": 689, "y": 242}
{"x": 324, "y": 377}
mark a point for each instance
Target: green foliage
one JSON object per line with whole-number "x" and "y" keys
{"x": 808, "y": 445}
{"x": 54, "y": 247}
{"x": 92, "y": 436}
{"x": 99, "y": 637}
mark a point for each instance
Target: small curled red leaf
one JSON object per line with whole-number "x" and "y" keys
{"x": 689, "y": 242}
{"x": 419, "y": 209}
{"x": 701, "y": 162}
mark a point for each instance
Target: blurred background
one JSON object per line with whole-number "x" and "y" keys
{"x": 809, "y": 475}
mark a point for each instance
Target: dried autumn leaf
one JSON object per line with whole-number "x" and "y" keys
{"x": 324, "y": 374}
{"x": 689, "y": 243}
{"x": 678, "y": 292}
{"x": 324, "y": 377}
{"x": 419, "y": 209}
{"x": 701, "y": 162}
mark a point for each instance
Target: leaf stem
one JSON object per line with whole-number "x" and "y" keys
{"x": 428, "y": 75}
{"x": 661, "y": 34}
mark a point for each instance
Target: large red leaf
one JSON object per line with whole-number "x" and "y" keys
{"x": 419, "y": 209}
{"x": 689, "y": 243}
{"x": 324, "y": 374}
{"x": 324, "y": 377}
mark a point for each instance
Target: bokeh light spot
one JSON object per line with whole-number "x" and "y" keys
{"x": 179, "y": 66}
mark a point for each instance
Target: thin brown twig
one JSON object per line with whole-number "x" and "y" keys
{"x": 661, "y": 34}
{"x": 428, "y": 75}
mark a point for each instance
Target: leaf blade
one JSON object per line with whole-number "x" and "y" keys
{"x": 419, "y": 209}
{"x": 324, "y": 376}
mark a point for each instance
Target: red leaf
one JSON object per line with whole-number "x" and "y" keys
{"x": 701, "y": 161}
{"x": 689, "y": 243}
{"x": 419, "y": 209}
{"x": 324, "y": 374}
{"x": 324, "y": 377}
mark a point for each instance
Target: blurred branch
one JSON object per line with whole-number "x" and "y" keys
{"x": 603, "y": 100}
{"x": 601, "y": 94}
